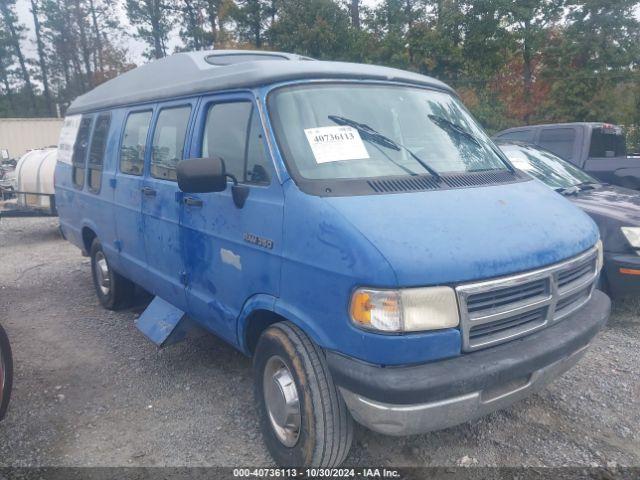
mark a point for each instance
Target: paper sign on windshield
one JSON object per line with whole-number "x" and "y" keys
{"x": 333, "y": 144}
{"x": 68, "y": 138}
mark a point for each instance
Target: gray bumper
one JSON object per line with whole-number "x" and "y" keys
{"x": 425, "y": 417}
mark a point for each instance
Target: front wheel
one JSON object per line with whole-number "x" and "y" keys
{"x": 305, "y": 421}
{"x": 113, "y": 290}
{"x": 6, "y": 372}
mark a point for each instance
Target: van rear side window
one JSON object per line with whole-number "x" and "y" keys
{"x": 96, "y": 151}
{"x": 134, "y": 142}
{"x": 168, "y": 142}
{"x": 79, "y": 158}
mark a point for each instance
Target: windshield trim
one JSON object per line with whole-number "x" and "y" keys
{"x": 362, "y": 185}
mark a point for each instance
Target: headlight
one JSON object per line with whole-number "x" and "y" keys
{"x": 632, "y": 235}
{"x": 405, "y": 310}
{"x": 600, "y": 249}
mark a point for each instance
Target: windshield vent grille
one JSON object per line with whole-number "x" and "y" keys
{"x": 404, "y": 184}
{"x": 478, "y": 178}
{"x": 461, "y": 180}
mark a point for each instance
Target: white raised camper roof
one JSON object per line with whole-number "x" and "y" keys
{"x": 184, "y": 74}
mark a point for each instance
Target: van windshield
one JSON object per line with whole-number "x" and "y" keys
{"x": 351, "y": 131}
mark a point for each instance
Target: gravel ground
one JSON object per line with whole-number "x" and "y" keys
{"x": 90, "y": 390}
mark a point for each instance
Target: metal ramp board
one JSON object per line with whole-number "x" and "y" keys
{"x": 163, "y": 323}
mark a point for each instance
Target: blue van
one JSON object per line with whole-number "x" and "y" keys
{"x": 350, "y": 227}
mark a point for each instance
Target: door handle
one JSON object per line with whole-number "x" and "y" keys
{"x": 149, "y": 192}
{"x": 192, "y": 202}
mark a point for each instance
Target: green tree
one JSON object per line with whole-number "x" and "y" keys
{"x": 529, "y": 22}
{"x": 597, "y": 49}
{"x": 318, "y": 28}
{"x": 252, "y": 18}
{"x": 193, "y": 32}
{"x": 42, "y": 61}
{"x": 7, "y": 105}
{"x": 14, "y": 37}
{"x": 153, "y": 20}
{"x": 217, "y": 14}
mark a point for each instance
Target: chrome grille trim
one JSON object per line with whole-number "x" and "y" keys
{"x": 570, "y": 283}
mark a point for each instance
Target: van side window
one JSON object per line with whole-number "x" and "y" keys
{"x": 79, "y": 158}
{"x": 133, "y": 143}
{"x": 96, "y": 151}
{"x": 558, "y": 141}
{"x": 168, "y": 142}
{"x": 232, "y": 132}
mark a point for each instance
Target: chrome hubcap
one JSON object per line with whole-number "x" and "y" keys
{"x": 281, "y": 399}
{"x": 102, "y": 273}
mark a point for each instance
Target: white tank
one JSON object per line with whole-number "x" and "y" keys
{"x": 34, "y": 174}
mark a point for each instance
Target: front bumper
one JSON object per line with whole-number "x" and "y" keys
{"x": 420, "y": 398}
{"x": 622, "y": 272}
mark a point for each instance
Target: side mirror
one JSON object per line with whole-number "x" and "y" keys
{"x": 202, "y": 175}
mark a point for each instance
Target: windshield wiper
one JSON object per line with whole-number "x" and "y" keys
{"x": 453, "y": 127}
{"x": 445, "y": 124}
{"x": 573, "y": 190}
{"x": 589, "y": 185}
{"x": 378, "y": 138}
{"x": 579, "y": 187}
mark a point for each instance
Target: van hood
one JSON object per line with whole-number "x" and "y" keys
{"x": 460, "y": 235}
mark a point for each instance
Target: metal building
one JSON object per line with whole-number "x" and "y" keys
{"x": 19, "y": 135}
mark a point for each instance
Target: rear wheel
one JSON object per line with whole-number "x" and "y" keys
{"x": 6, "y": 372}
{"x": 113, "y": 290}
{"x": 305, "y": 421}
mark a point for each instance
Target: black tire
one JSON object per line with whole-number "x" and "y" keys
{"x": 120, "y": 290}
{"x": 6, "y": 375}
{"x": 326, "y": 427}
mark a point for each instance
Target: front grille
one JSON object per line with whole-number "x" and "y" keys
{"x": 524, "y": 322}
{"x": 577, "y": 275}
{"x": 495, "y": 299}
{"x": 503, "y": 309}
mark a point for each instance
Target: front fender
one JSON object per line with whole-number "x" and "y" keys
{"x": 257, "y": 302}
{"x": 270, "y": 303}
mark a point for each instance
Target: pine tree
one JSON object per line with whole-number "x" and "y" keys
{"x": 154, "y": 20}
{"x": 15, "y": 36}
{"x": 41, "y": 58}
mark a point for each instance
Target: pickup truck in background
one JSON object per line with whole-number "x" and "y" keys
{"x": 597, "y": 148}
